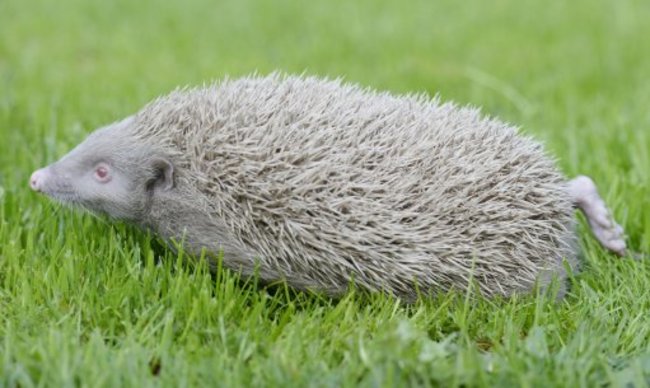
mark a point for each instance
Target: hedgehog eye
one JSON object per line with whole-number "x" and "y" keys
{"x": 102, "y": 173}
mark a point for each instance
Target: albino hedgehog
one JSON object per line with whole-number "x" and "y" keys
{"x": 322, "y": 183}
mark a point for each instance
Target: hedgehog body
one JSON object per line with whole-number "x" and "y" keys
{"x": 321, "y": 183}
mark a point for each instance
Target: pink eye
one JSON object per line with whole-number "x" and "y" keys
{"x": 101, "y": 173}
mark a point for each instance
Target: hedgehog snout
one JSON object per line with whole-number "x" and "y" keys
{"x": 38, "y": 179}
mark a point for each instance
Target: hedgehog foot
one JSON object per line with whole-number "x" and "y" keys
{"x": 607, "y": 231}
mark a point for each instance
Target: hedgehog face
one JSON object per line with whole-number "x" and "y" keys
{"x": 109, "y": 173}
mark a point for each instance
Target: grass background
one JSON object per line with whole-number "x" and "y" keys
{"x": 88, "y": 303}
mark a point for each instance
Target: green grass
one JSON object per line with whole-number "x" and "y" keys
{"x": 87, "y": 303}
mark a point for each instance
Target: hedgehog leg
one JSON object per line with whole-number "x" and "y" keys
{"x": 585, "y": 196}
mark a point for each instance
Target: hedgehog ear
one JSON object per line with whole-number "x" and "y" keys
{"x": 163, "y": 174}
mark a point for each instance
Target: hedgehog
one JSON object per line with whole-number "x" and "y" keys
{"x": 321, "y": 184}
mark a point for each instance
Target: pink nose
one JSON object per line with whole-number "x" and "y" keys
{"x": 36, "y": 181}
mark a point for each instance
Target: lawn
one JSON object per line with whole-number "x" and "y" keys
{"x": 85, "y": 302}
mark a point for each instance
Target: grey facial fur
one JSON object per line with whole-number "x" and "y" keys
{"x": 319, "y": 182}
{"x": 127, "y": 194}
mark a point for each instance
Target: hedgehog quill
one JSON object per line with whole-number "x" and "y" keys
{"x": 319, "y": 182}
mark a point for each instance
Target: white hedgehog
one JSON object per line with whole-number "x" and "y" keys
{"x": 321, "y": 183}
